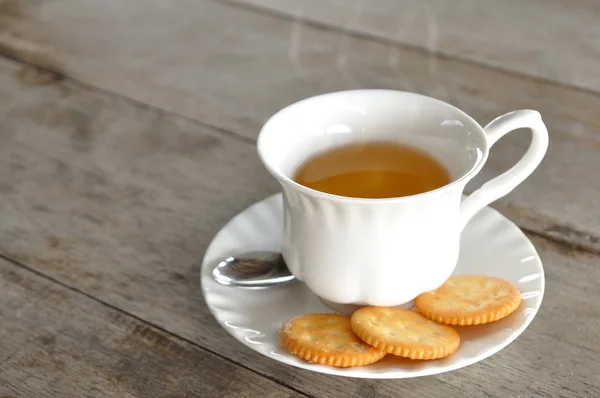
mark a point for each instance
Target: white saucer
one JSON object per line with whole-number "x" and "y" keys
{"x": 491, "y": 245}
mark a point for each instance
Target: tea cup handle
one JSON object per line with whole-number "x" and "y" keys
{"x": 509, "y": 180}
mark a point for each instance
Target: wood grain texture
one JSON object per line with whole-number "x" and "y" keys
{"x": 55, "y": 342}
{"x": 555, "y": 40}
{"x": 232, "y": 68}
{"x": 121, "y": 201}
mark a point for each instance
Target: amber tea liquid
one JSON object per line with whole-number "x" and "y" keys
{"x": 373, "y": 170}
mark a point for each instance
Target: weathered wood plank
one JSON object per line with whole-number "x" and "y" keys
{"x": 209, "y": 64}
{"x": 58, "y": 343}
{"x": 121, "y": 201}
{"x": 552, "y": 39}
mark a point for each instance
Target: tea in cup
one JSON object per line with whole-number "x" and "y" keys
{"x": 373, "y": 185}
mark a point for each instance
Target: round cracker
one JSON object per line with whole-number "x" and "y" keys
{"x": 470, "y": 300}
{"x": 327, "y": 339}
{"x": 404, "y": 333}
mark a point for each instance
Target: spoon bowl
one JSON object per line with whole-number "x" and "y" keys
{"x": 253, "y": 269}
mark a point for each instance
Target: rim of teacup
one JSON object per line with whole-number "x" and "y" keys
{"x": 313, "y": 192}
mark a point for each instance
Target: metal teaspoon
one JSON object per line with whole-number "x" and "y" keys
{"x": 253, "y": 269}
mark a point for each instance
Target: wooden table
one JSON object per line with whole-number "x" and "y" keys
{"x": 128, "y": 134}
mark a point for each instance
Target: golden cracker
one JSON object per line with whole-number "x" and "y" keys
{"x": 470, "y": 300}
{"x": 404, "y": 333}
{"x": 327, "y": 339}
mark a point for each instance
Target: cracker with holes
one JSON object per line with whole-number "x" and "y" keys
{"x": 404, "y": 333}
{"x": 327, "y": 339}
{"x": 470, "y": 300}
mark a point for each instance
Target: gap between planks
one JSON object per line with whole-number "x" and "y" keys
{"x": 413, "y": 47}
{"x": 562, "y": 242}
{"x": 571, "y": 240}
{"x": 144, "y": 322}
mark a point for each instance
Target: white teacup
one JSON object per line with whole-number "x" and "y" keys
{"x": 385, "y": 252}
